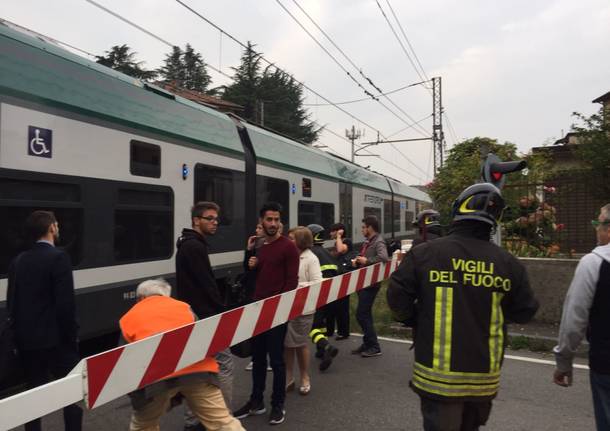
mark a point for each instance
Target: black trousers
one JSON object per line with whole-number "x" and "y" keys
{"x": 454, "y": 415}
{"x": 269, "y": 343}
{"x": 43, "y": 366}
{"x": 338, "y": 314}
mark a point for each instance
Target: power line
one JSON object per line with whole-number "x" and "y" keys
{"x": 409, "y": 126}
{"x": 273, "y": 65}
{"x": 400, "y": 41}
{"x": 342, "y": 67}
{"x": 451, "y": 129}
{"x": 160, "y": 39}
{"x": 366, "y": 98}
{"x": 406, "y": 38}
{"x": 424, "y": 133}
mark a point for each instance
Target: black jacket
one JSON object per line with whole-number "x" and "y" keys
{"x": 44, "y": 308}
{"x": 432, "y": 233}
{"x": 195, "y": 281}
{"x": 459, "y": 291}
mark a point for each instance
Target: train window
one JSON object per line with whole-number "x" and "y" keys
{"x": 375, "y": 212}
{"x": 316, "y": 212}
{"x": 226, "y": 187}
{"x": 143, "y": 225}
{"x": 270, "y": 189}
{"x": 409, "y": 218}
{"x": 306, "y": 186}
{"x": 24, "y": 190}
{"x": 387, "y": 216}
{"x": 14, "y": 240}
{"x": 145, "y": 159}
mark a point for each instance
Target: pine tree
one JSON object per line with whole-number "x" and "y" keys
{"x": 280, "y": 94}
{"x": 173, "y": 69}
{"x": 196, "y": 76}
{"x": 122, "y": 59}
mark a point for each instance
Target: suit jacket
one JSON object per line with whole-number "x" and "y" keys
{"x": 44, "y": 308}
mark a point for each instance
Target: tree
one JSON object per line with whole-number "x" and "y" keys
{"x": 594, "y": 146}
{"x": 273, "y": 92}
{"x": 186, "y": 69}
{"x": 122, "y": 59}
{"x": 462, "y": 168}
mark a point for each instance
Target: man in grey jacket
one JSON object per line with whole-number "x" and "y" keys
{"x": 373, "y": 250}
{"x": 587, "y": 310}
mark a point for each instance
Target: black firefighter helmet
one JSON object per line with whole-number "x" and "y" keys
{"x": 318, "y": 233}
{"x": 480, "y": 202}
{"x": 427, "y": 218}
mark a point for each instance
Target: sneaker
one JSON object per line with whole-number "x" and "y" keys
{"x": 251, "y": 408}
{"x": 329, "y": 353}
{"x": 370, "y": 352}
{"x": 250, "y": 366}
{"x": 359, "y": 350}
{"x": 277, "y": 416}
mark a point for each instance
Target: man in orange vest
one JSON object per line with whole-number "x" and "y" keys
{"x": 156, "y": 312}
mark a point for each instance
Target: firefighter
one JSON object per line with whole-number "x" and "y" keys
{"x": 459, "y": 292}
{"x": 429, "y": 224}
{"x": 330, "y": 268}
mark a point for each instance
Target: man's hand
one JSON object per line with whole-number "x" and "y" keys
{"x": 340, "y": 233}
{"x": 562, "y": 378}
{"x": 361, "y": 261}
{"x": 252, "y": 262}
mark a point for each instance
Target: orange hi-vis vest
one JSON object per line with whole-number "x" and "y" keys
{"x": 157, "y": 314}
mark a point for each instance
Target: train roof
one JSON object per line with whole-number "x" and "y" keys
{"x": 39, "y": 71}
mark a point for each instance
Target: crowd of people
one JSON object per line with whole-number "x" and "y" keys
{"x": 456, "y": 292}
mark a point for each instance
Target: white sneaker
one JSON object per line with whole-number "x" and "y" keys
{"x": 249, "y": 367}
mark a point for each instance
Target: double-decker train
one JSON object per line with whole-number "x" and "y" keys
{"x": 121, "y": 162}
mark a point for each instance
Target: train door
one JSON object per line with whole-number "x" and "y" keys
{"x": 345, "y": 206}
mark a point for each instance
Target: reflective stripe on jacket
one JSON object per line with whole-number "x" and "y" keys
{"x": 157, "y": 314}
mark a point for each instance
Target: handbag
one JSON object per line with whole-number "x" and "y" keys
{"x": 9, "y": 355}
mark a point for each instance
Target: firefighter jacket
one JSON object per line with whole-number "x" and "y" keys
{"x": 458, "y": 292}
{"x": 156, "y": 314}
{"x": 328, "y": 264}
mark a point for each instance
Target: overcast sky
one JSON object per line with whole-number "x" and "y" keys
{"x": 514, "y": 70}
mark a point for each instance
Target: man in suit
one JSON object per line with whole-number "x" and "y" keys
{"x": 373, "y": 250}
{"x": 41, "y": 287}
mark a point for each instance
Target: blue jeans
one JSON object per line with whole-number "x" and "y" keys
{"x": 364, "y": 315}
{"x": 269, "y": 343}
{"x": 600, "y": 387}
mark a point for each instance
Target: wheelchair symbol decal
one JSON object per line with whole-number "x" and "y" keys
{"x": 40, "y": 142}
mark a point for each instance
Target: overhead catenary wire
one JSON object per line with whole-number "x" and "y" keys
{"x": 349, "y": 114}
{"x": 142, "y": 29}
{"x": 420, "y": 129}
{"x": 363, "y": 99}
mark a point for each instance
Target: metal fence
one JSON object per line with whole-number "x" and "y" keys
{"x": 553, "y": 219}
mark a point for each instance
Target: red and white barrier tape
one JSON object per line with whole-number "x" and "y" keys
{"x": 112, "y": 374}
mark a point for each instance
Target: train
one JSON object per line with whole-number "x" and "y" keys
{"x": 121, "y": 161}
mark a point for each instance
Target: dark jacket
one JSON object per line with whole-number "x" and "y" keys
{"x": 460, "y": 290}
{"x": 44, "y": 309}
{"x": 328, "y": 264}
{"x": 432, "y": 233}
{"x": 195, "y": 281}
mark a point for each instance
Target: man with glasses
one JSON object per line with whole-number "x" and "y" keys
{"x": 587, "y": 310}
{"x": 196, "y": 285}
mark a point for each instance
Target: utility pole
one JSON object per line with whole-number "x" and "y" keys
{"x": 352, "y": 135}
{"x": 438, "y": 137}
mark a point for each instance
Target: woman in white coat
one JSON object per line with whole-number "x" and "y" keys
{"x": 296, "y": 342}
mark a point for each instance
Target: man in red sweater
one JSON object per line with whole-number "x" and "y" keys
{"x": 277, "y": 271}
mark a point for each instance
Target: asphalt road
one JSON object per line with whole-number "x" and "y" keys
{"x": 373, "y": 394}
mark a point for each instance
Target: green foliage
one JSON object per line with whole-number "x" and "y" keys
{"x": 594, "y": 146}
{"x": 122, "y": 59}
{"x": 462, "y": 168}
{"x": 273, "y": 92}
{"x": 186, "y": 69}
